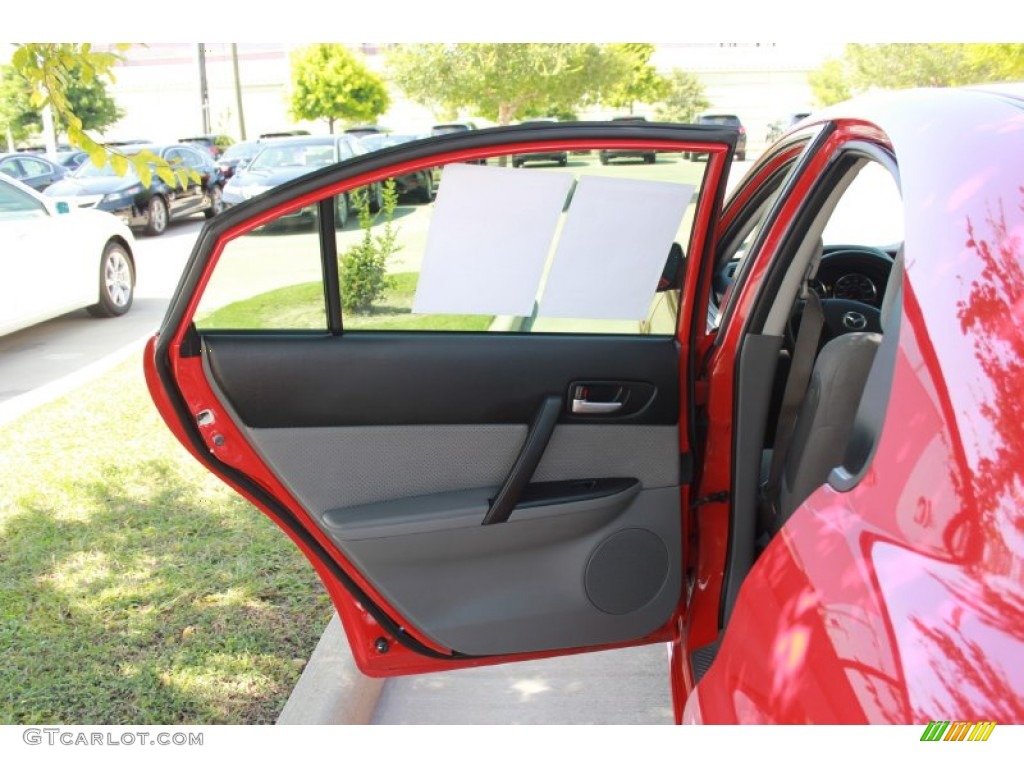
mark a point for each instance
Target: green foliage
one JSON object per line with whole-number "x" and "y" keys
{"x": 639, "y": 81}
{"x": 330, "y": 83}
{"x": 908, "y": 65}
{"x": 505, "y": 81}
{"x": 16, "y": 112}
{"x": 88, "y": 100}
{"x": 53, "y": 71}
{"x": 684, "y": 98}
{"x": 363, "y": 268}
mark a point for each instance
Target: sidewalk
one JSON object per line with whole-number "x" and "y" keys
{"x": 628, "y": 686}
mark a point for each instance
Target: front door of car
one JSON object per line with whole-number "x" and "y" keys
{"x": 471, "y": 414}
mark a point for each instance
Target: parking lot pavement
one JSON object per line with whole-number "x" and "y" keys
{"x": 628, "y": 687}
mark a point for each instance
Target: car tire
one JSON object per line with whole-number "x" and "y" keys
{"x": 117, "y": 282}
{"x": 564, "y": 161}
{"x": 603, "y": 156}
{"x": 341, "y": 210}
{"x": 216, "y": 202}
{"x": 156, "y": 216}
{"x": 376, "y": 198}
{"x": 517, "y": 163}
{"x": 650, "y": 159}
{"x": 426, "y": 190}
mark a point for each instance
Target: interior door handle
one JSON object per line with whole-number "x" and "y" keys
{"x": 580, "y": 405}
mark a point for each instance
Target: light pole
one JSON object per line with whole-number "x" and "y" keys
{"x": 204, "y": 91}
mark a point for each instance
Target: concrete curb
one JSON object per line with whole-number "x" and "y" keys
{"x": 18, "y": 406}
{"x": 332, "y": 690}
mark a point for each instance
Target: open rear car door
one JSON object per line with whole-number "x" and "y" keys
{"x": 486, "y": 454}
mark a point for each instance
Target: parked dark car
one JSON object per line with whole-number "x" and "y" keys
{"x": 731, "y": 121}
{"x": 443, "y": 129}
{"x": 606, "y": 155}
{"x": 32, "y": 170}
{"x": 237, "y": 156}
{"x": 418, "y": 185}
{"x": 365, "y": 130}
{"x": 560, "y": 158}
{"x": 282, "y": 160}
{"x": 139, "y": 206}
{"x": 214, "y": 143}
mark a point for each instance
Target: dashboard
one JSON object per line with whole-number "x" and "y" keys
{"x": 857, "y": 273}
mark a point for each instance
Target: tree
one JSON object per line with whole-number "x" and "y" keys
{"x": 640, "y": 81}
{"x": 908, "y": 65}
{"x": 684, "y": 100}
{"x": 504, "y": 81}
{"x": 330, "y": 83}
{"x": 51, "y": 69}
{"x": 89, "y": 101}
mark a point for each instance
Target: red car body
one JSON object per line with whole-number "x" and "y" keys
{"x": 890, "y": 595}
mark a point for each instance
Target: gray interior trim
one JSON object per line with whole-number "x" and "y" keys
{"x": 759, "y": 357}
{"x": 521, "y": 587}
{"x": 331, "y": 467}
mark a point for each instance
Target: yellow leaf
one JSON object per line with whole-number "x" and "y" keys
{"x": 119, "y": 163}
{"x": 143, "y": 170}
{"x": 98, "y": 155}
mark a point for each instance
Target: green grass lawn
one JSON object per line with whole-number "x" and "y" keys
{"x": 302, "y": 306}
{"x": 134, "y": 587}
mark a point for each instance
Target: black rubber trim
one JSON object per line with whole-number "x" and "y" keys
{"x": 537, "y": 439}
{"x": 329, "y": 263}
{"x": 377, "y": 378}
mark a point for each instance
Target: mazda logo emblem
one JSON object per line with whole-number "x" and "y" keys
{"x": 855, "y": 321}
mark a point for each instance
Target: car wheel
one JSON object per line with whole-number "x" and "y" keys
{"x": 216, "y": 203}
{"x": 117, "y": 282}
{"x": 517, "y": 163}
{"x": 426, "y": 190}
{"x": 650, "y": 159}
{"x": 603, "y": 157}
{"x": 376, "y": 199}
{"x": 341, "y": 211}
{"x": 156, "y": 216}
{"x": 563, "y": 161}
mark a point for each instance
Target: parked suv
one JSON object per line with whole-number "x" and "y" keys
{"x": 611, "y": 154}
{"x": 731, "y": 121}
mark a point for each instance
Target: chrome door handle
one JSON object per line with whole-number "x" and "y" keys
{"x": 586, "y": 406}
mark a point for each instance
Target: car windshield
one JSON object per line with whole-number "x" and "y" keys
{"x": 241, "y": 151}
{"x": 294, "y": 156}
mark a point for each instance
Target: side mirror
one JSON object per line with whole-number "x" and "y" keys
{"x": 672, "y": 275}
{"x": 62, "y": 207}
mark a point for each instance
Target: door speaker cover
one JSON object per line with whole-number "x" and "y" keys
{"x": 626, "y": 571}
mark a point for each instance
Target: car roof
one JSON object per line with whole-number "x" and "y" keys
{"x": 305, "y": 140}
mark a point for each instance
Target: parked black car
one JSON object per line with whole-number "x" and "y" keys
{"x": 606, "y": 155}
{"x": 32, "y": 170}
{"x": 238, "y": 156}
{"x": 282, "y": 160}
{"x": 418, "y": 185}
{"x": 139, "y": 206}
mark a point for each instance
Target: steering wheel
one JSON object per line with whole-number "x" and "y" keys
{"x": 845, "y": 314}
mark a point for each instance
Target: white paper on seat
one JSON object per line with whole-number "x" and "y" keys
{"x": 489, "y": 239}
{"x": 613, "y": 248}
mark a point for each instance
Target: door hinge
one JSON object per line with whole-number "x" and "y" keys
{"x": 711, "y": 498}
